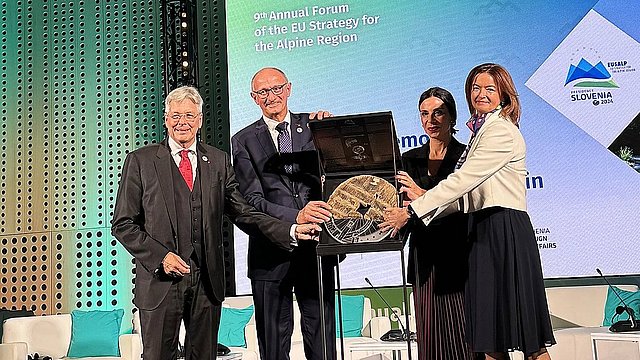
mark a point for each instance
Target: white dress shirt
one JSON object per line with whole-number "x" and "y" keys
{"x": 271, "y": 124}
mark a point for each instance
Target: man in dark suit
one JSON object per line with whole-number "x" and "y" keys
{"x": 168, "y": 215}
{"x": 277, "y": 169}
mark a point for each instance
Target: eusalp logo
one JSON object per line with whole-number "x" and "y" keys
{"x": 591, "y": 76}
{"x": 590, "y": 83}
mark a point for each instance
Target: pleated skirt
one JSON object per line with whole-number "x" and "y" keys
{"x": 440, "y": 323}
{"x": 505, "y": 303}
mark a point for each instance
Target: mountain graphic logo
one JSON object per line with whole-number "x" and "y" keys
{"x": 595, "y": 76}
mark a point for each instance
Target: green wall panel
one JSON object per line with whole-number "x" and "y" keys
{"x": 81, "y": 87}
{"x": 38, "y": 126}
{"x": 213, "y": 86}
{"x": 12, "y": 114}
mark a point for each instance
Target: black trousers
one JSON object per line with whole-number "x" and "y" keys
{"x": 189, "y": 299}
{"x": 273, "y": 301}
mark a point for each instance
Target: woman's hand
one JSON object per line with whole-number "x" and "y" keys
{"x": 394, "y": 219}
{"x": 409, "y": 186}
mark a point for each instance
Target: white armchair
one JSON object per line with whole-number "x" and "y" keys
{"x": 249, "y": 353}
{"x": 373, "y": 327}
{"x": 17, "y": 350}
{"x": 51, "y": 335}
{"x": 576, "y": 312}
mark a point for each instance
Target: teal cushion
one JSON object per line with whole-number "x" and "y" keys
{"x": 95, "y": 333}
{"x": 631, "y": 298}
{"x": 232, "y": 324}
{"x": 352, "y": 310}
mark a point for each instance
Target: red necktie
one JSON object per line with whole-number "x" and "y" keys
{"x": 185, "y": 168}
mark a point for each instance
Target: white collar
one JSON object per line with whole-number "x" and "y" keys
{"x": 176, "y": 148}
{"x": 271, "y": 124}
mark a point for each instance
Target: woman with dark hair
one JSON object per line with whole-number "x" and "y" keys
{"x": 437, "y": 269}
{"x": 505, "y": 304}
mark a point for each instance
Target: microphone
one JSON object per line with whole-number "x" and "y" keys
{"x": 394, "y": 334}
{"x": 622, "y": 325}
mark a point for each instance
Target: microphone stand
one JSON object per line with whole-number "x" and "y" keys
{"x": 406, "y": 333}
{"x": 621, "y": 325}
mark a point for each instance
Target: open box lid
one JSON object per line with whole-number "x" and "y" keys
{"x": 357, "y": 143}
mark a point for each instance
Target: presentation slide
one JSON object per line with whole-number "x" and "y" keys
{"x": 576, "y": 66}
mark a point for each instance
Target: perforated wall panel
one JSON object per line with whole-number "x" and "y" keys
{"x": 81, "y": 86}
{"x": 213, "y": 85}
{"x": 26, "y": 275}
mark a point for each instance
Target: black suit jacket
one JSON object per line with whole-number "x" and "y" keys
{"x": 440, "y": 247}
{"x": 144, "y": 218}
{"x": 265, "y": 185}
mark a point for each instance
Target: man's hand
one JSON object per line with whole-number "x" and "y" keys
{"x": 320, "y": 114}
{"x": 314, "y": 212}
{"x": 394, "y": 219}
{"x": 409, "y": 186}
{"x": 173, "y": 265}
{"x": 308, "y": 231}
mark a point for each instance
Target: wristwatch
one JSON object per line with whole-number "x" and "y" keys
{"x": 412, "y": 214}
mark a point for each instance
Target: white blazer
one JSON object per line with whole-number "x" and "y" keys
{"x": 493, "y": 175}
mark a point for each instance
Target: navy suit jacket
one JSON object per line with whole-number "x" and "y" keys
{"x": 265, "y": 185}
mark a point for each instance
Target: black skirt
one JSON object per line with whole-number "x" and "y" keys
{"x": 505, "y": 302}
{"x": 440, "y": 323}
{"x": 438, "y": 271}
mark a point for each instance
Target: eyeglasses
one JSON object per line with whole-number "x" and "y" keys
{"x": 188, "y": 116}
{"x": 276, "y": 90}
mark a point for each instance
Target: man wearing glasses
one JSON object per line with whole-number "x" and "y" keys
{"x": 168, "y": 215}
{"x": 277, "y": 169}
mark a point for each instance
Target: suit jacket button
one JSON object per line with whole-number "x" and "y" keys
{"x": 296, "y": 195}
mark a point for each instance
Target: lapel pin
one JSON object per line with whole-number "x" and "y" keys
{"x": 205, "y": 158}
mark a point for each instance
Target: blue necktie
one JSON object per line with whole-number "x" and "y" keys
{"x": 284, "y": 143}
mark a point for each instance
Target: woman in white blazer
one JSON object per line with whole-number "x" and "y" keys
{"x": 505, "y": 304}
